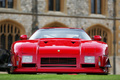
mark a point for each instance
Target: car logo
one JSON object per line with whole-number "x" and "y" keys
{"x": 58, "y": 50}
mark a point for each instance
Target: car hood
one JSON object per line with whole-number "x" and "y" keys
{"x": 60, "y": 46}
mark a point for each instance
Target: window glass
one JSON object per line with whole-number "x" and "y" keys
{"x": 54, "y": 5}
{"x": 51, "y": 5}
{"x": 92, "y": 6}
{"x": 2, "y": 4}
{"x": 10, "y": 3}
{"x": 6, "y": 3}
{"x": 99, "y": 6}
{"x": 57, "y": 5}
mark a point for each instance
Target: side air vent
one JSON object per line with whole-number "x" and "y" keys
{"x": 73, "y": 42}
{"x": 45, "y": 42}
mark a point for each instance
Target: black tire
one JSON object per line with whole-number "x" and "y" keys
{"x": 10, "y": 70}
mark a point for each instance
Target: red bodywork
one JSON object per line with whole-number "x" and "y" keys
{"x": 59, "y": 55}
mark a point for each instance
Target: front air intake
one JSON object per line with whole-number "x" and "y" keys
{"x": 58, "y": 62}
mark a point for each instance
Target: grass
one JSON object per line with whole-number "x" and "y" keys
{"x": 57, "y": 77}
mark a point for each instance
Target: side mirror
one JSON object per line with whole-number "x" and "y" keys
{"x": 97, "y": 38}
{"x": 23, "y": 37}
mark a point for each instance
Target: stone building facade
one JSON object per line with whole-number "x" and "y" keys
{"x": 19, "y": 17}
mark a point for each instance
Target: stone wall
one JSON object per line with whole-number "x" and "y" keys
{"x": 75, "y": 22}
{"x": 110, "y": 8}
{"x": 25, "y": 20}
{"x": 117, "y": 65}
{"x": 26, "y": 6}
{"x": 82, "y": 7}
{"x": 41, "y": 6}
{"x": 73, "y": 7}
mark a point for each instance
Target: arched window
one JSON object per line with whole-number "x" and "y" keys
{"x": 98, "y": 31}
{"x": 3, "y": 41}
{"x": 6, "y": 3}
{"x": 103, "y": 32}
{"x": 55, "y": 24}
{"x": 17, "y": 37}
{"x": 10, "y": 41}
{"x": 98, "y": 6}
{"x": 9, "y": 32}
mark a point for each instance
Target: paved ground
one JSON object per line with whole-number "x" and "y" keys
{"x": 117, "y": 65}
{"x": 3, "y": 73}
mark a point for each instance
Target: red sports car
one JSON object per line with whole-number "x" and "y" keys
{"x": 59, "y": 50}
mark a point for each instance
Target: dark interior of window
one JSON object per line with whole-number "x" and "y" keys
{"x": 6, "y": 3}
{"x": 2, "y": 3}
{"x": 17, "y": 37}
{"x": 3, "y": 41}
{"x": 92, "y": 6}
{"x": 51, "y": 5}
{"x": 96, "y": 6}
{"x": 6, "y": 35}
{"x": 57, "y": 5}
{"x": 54, "y": 5}
{"x": 9, "y": 41}
{"x": 99, "y": 6}
{"x": 10, "y": 3}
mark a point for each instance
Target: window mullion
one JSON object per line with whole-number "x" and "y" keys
{"x": 6, "y": 4}
{"x": 54, "y": 5}
{"x": 14, "y": 4}
{"x": 95, "y": 6}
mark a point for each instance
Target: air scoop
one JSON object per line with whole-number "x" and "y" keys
{"x": 59, "y": 42}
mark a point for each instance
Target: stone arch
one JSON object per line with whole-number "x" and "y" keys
{"x": 55, "y": 24}
{"x": 104, "y": 32}
{"x": 10, "y": 28}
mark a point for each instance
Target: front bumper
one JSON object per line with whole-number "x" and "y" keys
{"x": 53, "y": 70}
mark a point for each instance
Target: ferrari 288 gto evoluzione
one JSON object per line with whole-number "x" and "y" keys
{"x": 59, "y": 50}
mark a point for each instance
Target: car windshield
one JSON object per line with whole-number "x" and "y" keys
{"x": 60, "y": 33}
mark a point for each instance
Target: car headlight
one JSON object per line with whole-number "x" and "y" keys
{"x": 89, "y": 59}
{"x": 27, "y": 59}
